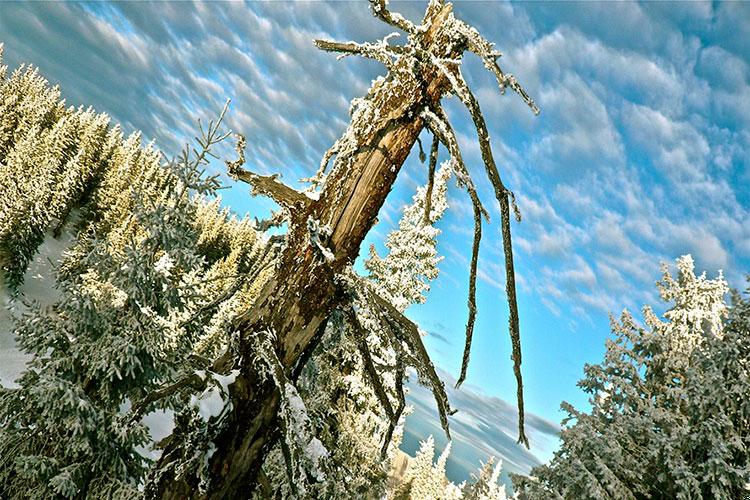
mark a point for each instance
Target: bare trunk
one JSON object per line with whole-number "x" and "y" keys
{"x": 295, "y": 303}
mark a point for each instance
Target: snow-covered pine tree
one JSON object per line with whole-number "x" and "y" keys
{"x": 49, "y": 157}
{"x": 154, "y": 276}
{"x": 423, "y": 479}
{"x": 669, "y": 415}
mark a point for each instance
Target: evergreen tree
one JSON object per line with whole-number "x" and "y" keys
{"x": 423, "y": 479}
{"x": 153, "y": 279}
{"x": 49, "y": 157}
{"x": 669, "y": 415}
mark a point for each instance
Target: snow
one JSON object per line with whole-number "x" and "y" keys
{"x": 39, "y": 284}
{"x": 211, "y": 402}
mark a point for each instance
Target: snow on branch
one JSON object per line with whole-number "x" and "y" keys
{"x": 360, "y": 338}
{"x": 380, "y": 10}
{"x": 404, "y": 331}
{"x": 304, "y": 454}
{"x": 264, "y": 185}
{"x": 380, "y": 51}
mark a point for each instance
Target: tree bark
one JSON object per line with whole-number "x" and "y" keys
{"x": 303, "y": 292}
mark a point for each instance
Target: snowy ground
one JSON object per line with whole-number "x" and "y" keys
{"x": 39, "y": 284}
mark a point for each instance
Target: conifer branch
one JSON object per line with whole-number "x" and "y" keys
{"x": 193, "y": 381}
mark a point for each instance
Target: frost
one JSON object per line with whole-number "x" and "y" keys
{"x": 164, "y": 265}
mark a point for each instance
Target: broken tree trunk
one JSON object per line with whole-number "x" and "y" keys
{"x": 324, "y": 237}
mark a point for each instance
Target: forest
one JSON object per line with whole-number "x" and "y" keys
{"x": 159, "y": 341}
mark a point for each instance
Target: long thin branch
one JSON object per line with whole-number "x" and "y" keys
{"x": 409, "y": 333}
{"x": 440, "y": 126}
{"x": 399, "y": 409}
{"x": 472, "y": 294}
{"x": 502, "y": 194}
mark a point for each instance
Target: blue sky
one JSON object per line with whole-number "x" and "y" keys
{"x": 640, "y": 154}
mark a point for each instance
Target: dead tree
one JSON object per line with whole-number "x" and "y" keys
{"x": 326, "y": 226}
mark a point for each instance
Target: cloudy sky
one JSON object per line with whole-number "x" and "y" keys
{"x": 640, "y": 154}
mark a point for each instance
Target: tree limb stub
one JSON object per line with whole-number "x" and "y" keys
{"x": 268, "y": 185}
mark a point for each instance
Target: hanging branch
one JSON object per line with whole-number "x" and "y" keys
{"x": 406, "y": 331}
{"x": 402, "y": 330}
{"x": 431, "y": 178}
{"x": 360, "y": 338}
{"x": 399, "y": 410}
{"x": 472, "y": 294}
{"x": 502, "y": 194}
{"x": 437, "y": 122}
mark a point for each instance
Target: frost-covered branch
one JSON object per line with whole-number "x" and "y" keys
{"x": 266, "y": 185}
{"x": 380, "y": 10}
{"x": 486, "y": 51}
{"x": 399, "y": 409}
{"x": 194, "y": 381}
{"x": 304, "y": 454}
{"x": 380, "y": 51}
{"x": 403, "y": 331}
{"x": 361, "y": 342}
{"x": 406, "y": 331}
